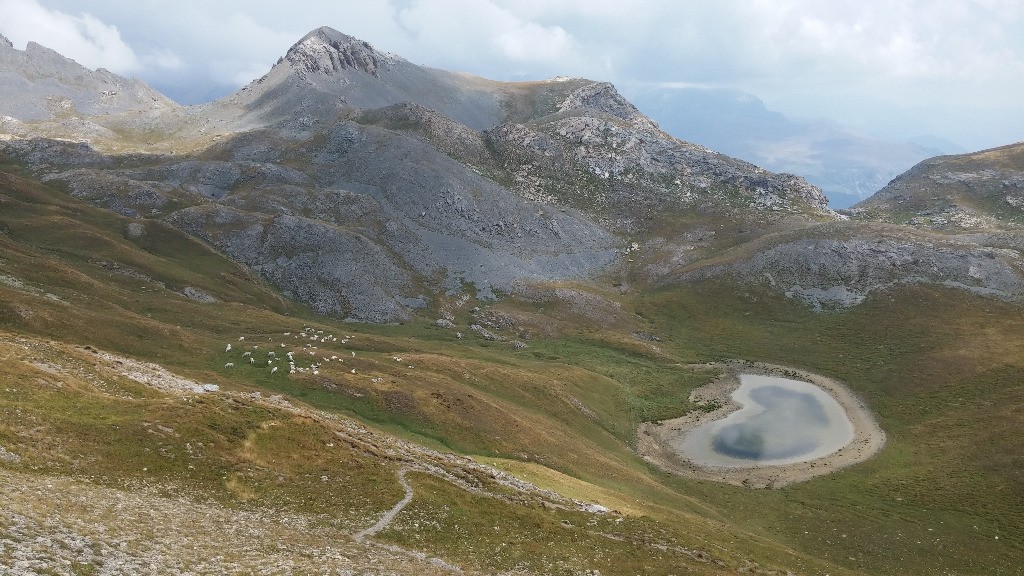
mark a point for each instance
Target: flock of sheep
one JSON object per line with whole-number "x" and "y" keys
{"x": 307, "y": 335}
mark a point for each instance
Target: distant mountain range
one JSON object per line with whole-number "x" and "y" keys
{"x": 846, "y": 165}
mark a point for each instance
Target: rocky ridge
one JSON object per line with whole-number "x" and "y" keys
{"x": 39, "y": 84}
{"x": 966, "y": 191}
{"x": 834, "y": 273}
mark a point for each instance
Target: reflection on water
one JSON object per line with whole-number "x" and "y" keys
{"x": 781, "y": 421}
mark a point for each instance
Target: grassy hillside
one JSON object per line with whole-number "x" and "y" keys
{"x": 979, "y": 189}
{"x": 943, "y": 371}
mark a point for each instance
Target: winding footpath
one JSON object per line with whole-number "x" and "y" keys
{"x": 390, "y": 515}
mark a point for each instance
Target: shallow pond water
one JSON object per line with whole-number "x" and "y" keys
{"x": 781, "y": 421}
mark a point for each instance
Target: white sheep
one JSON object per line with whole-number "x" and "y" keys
{"x": 228, "y": 349}
{"x": 241, "y": 338}
{"x": 229, "y": 365}
{"x": 274, "y": 369}
{"x": 246, "y": 354}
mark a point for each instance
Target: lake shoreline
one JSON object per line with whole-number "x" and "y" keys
{"x": 657, "y": 441}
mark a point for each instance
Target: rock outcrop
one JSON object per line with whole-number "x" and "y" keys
{"x": 834, "y": 273}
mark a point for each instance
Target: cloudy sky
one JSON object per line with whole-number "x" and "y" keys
{"x": 898, "y": 68}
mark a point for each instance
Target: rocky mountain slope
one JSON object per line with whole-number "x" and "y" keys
{"x": 369, "y": 187}
{"x": 365, "y": 185}
{"x": 40, "y": 84}
{"x": 953, "y": 221}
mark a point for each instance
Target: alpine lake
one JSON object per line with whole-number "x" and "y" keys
{"x": 781, "y": 421}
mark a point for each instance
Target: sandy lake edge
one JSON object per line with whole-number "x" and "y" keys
{"x": 655, "y": 440}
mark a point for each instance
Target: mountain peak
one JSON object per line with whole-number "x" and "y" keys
{"x": 603, "y": 97}
{"x": 327, "y": 51}
{"x": 5, "y": 42}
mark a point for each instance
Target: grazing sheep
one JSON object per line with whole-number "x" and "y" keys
{"x": 252, "y": 360}
{"x": 246, "y": 354}
{"x": 274, "y": 369}
{"x": 228, "y": 349}
{"x": 241, "y": 338}
{"x": 229, "y": 365}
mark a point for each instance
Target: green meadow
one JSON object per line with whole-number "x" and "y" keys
{"x": 943, "y": 372}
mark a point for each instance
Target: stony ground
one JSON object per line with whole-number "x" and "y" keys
{"x": 53, "y": 525}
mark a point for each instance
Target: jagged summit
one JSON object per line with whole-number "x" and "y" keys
{"x": 603, "y": 97}
{"x": 326, "y": 51}
{"x": 5, "y": 41}
{"x": 327, "y": 70}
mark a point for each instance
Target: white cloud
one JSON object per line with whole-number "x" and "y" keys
{"x": 480, "y": 33}
{"x": 84, "y": 38}
{"x": 529, "y": 41}
{"x": 164, "y": 59}
{"x": 844, "y": 58}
